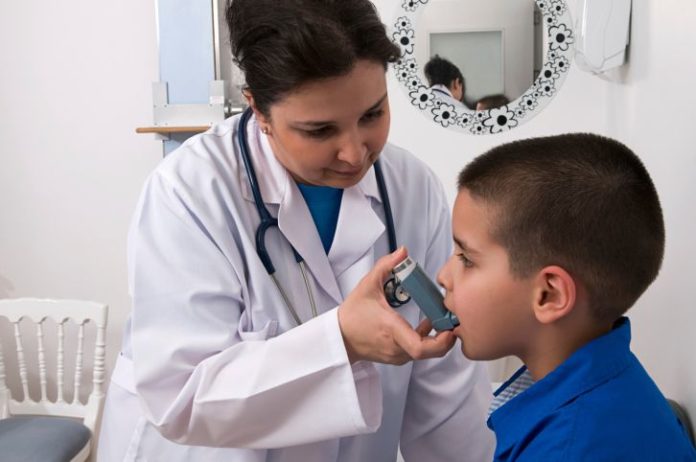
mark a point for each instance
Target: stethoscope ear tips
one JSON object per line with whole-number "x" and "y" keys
{"x": 395, "y": 294}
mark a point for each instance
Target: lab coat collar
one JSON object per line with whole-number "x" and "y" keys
{"x": 590, "y": 366}
{"x": 357, "y": 229}
{"x": 358, "y": 225}
{"x": 273, "y": 178}
{"x": 439, "y": 88}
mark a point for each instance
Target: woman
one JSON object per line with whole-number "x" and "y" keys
{"x": 214, "y": 365}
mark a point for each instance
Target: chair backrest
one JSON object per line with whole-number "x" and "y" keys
{"x": 60, "y": 311}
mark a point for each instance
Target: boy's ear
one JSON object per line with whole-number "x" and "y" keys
{"x": 555, "y": 294}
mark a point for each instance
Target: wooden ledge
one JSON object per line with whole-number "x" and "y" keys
{"x": 170, "y": 130}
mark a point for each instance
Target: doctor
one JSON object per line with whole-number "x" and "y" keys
{"x": 446, "y": 81}
{"x": 217, "y": 363}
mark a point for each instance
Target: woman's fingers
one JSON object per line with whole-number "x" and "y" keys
{"x": 418, "y": 344}
{"x": 384, "y": 266}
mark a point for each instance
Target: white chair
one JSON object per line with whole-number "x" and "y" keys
{"x": 47, "y": 430}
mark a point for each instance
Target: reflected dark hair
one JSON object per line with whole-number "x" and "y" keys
{"x": 579, "y": 201}
{"x": 440, "y": 71}
{"x": 282, "y": 44}
{"x": 492, "y": 102}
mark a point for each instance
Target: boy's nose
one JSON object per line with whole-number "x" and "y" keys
{"x": 443, "y": 276}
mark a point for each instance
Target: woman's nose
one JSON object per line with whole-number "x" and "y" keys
{"x": 353, "y": 150}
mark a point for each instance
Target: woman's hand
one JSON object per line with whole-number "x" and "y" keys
{"x": 374, "y": 331}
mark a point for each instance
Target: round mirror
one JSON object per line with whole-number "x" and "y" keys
{"x": 482, "y": 66}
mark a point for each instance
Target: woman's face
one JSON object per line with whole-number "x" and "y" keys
{"x": 329, "y": 132}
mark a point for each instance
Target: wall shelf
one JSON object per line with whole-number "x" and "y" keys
{"x": 170, "y": 130}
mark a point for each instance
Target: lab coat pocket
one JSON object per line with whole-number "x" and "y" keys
{"x": 248, "y": 332}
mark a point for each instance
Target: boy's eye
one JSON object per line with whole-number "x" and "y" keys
{"x": 373, "y": 115}
{"x": 467, "y": 263}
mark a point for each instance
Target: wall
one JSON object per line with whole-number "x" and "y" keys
{"x": 76, "y": 82}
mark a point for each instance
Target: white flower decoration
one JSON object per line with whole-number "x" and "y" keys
{"x": 549, "y": 74}
{"x": 405, "y": 38}
{"x": 529, "y": 102}
{"x": 546, "y": 87}
{"x": 544, "y": 6}
{"x": 422, "y": 97}
{"x": 557, "y": 8}
{"x": 560, "y": 37}
{"x": 465, "y": 120}
{"x": 477, "y": 128}
{"x": 560, "y": 64}
{"x": 413, "y": 83}
{"x": 445, "y": 114}
{"x": 403, "y": 23}
{"x": 500, "y": 119}
{"x": 412, "y": 5}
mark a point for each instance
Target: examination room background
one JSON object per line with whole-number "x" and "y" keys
{"x": 75, "y": 81}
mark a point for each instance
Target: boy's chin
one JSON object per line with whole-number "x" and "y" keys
{"x": 477, "y": 354}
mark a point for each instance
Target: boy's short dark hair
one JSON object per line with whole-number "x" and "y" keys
{"x": 440, "y": 71}
{"x": 580, "y": 201}
{"x": 492, "y": 102}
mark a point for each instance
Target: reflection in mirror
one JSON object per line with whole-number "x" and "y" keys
{"x": 482, "y": 65}
{"x": 496, "y": 44}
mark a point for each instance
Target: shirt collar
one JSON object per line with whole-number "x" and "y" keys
{"x": 593, "y": 364}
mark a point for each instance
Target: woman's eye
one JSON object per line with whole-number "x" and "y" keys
{"x": 322, "y": 132}
{"x": 467, "y": 263}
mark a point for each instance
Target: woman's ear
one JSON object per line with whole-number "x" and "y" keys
{"x": 264, "y": 123}
{"x": 555, "y": 294}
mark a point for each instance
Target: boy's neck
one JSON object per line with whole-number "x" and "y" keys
{"x": 555, "y": 343}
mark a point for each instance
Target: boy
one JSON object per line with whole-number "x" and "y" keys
{"x": 555, "y": 239}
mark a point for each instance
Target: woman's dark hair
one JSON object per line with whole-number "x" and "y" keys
{"x": 440, "y": 71}
{"x": 580, "y": 201}
{"x": 282, "y": 44}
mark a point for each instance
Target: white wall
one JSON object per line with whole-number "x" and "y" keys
{"x": 75, "y": 82}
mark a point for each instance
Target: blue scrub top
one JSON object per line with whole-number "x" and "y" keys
{"x": 598, "y": 405}
{"x": 324, "y": 203}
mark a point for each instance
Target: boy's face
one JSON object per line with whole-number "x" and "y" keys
{"x": 493, "y": 307}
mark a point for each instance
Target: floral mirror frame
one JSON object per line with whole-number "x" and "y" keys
{"x": 557, "y": 60}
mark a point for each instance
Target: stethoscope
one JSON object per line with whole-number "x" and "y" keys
{"x": 394, "y": 294}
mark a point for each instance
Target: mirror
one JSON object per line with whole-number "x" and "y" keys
{"x": 482, "y": 66}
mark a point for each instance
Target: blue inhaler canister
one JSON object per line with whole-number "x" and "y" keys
{"x": 411, "y": 277}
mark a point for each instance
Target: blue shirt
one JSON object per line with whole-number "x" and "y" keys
{"x": 324, "y": 203}
{"x": 598, "y": 405}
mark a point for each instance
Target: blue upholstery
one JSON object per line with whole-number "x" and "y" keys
{"x": 45, "y": 439}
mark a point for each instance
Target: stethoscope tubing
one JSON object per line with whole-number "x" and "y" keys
{"x": 268, "y": 221}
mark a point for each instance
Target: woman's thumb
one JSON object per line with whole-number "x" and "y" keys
{"x": 387, "y": 263}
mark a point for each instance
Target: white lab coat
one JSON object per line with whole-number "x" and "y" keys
{"x": 445, "y": 95}
{"x": 213, "y": 367}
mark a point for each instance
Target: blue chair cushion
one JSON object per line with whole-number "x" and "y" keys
{"x": 45, "y": 439}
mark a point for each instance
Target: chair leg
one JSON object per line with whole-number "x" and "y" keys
{"x": 683, "y": 418}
